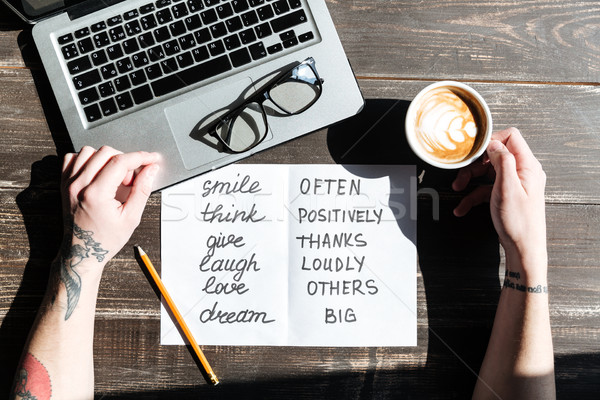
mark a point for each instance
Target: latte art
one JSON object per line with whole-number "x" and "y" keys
{"x": 445, "y": 126}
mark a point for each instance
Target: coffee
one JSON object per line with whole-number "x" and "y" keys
{"x": 448, "y": 124}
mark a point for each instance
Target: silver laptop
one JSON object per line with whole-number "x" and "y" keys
{"x": 159, "y": 75}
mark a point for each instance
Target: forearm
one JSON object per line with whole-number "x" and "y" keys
{"x": 519, "y": 361}
{"x": 59, "y": 351}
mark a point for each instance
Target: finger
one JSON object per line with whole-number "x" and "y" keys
{"x": 82, "y": 158}
{"x": 119, "y": 166}
{"x": 516, "y": 144}
{"x": 478, "y": 196}
{"x": 140, "y": 192}
{"x": 505, "y": 165}
{"x": 474, "y": 170}
{"x": 95, "y": 164}
{"x": 67, "y": 165}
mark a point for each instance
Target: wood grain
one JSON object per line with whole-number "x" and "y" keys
{"x": 537, "y": 64}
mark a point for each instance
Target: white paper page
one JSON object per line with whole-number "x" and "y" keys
{"x": 353, "y": 260}
{"x": 197, "y": 250}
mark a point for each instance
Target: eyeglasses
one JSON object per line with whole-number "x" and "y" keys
{"x": 292, "y": 92}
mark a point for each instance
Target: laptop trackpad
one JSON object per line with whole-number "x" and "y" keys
{"x": 190, "y": 120}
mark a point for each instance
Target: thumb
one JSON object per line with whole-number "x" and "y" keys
{"x": 504, "y": 164}
{"x": 140, "y": 191}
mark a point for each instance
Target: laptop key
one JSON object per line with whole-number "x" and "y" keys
{"x": 69, "y": 51}
{"x": 203, "y": 36}
{"x": 187, "y": 42}
{"x": 276, "y": 48}
{"x": 106, "y": 89}
{"x": 171, "y": 47}
{"x": 85, "y": 45}
{"x": 232, "y": 42}
{"x": 195, "y": 5}
{"x": 140, "y": 59}
{"x": 145, "y": 9}
{"x": 153, "y": 71}
{"x": 263, "y": 30}
{"x": 305, "y": 37}
{"x": 79, "y": 33}
{"x": 124, "y": 65}
{"x": 258, "y": 51}
{"x": 99, "y": 58}
{"x": 177, "y": 28}
{"x": 133, "y": 28}
{"x": 192, "y": 22}
{"x": 108, "y": 107}
{"x": 79, "y": 65}
{"x": 162, "y": 3}
{"x": 240, "y": 57}
{"x": 117, "y": 34}
{"x": 148, "y": 22}
{"x": 137, "y": 77}
{"x": 124, "y": 101}
{"x": 122, "y": 83}
{"x": 156, "y": 53}
{"x": 130, "y": 46}
{"x": 200, "y": 54}
{"x": 108, "y": 71}
{"x": 88, "y": 96}
{"x": 288, "y": 21}
{"x": 169, "y": 65}
{"x": 116, "y": 20}
{"x": 281, "y": 7}
{"x": 92, "y": 113}
{"x": 146, "y": 40}
{"x": 234, "y": 24}
{"x": 191, "y": 75}
{"x": 164, "y": 16}
{"x": 87, "y": 79}
{"x": 216, "y": 48}
{"x": 114, "y": 52}
{"x": 224, "y": 10}
{"x": 210, "y": 3}
{"x": 130, "y": 15}
{"x": 184, "y": 60}
{"x": 142, "y": 94}
{"x": 179, "y": 10}
{"x": 209, "y": 16}
{"x": 101, "y": 39}
{"x": 161, "y": 34}
{"x": 265, "y": 12}
{"x": 239, "y": 5}
{"x": 247, "y": 36}
{"x": 295, "y": 4}
{"x": 99, "y": 26}
{"x": 249, "y": 18}
{"x": 64, "y": 39}
{"x": 290, "y": 43}
{"x": 218, "y": 30}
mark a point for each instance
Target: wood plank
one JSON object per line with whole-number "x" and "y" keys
{"x": 456, "y": 301}
{"x": 559, "y": 122}
{"x": 540, "y": 41}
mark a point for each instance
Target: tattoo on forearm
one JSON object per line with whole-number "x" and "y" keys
{"x": 32, "y": 381}
{"x": 509, "y": 282}
{"x": 71, "y": 257}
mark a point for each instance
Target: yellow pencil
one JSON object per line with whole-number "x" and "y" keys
{"x": 177, "y": 314}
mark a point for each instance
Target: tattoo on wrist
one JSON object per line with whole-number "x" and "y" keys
{"x": 71, "y": 257}
{"x": 511, "y": 281}
{"x": 32, "y": 381}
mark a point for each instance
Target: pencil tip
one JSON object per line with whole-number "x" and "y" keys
{"x": 139, "y": 250}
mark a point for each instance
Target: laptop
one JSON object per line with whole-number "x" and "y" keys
{"x": 155, "y": 75}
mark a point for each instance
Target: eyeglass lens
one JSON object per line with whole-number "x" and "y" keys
{"x": 293, "y": 94}
{"x": 245, "y": 129}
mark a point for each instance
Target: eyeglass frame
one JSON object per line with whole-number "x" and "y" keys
{"x": 263, "y": 95}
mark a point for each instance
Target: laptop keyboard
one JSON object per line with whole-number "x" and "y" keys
{"x": 124, "y": 62}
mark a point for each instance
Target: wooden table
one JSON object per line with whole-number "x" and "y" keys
{"x": 537, "y": 63}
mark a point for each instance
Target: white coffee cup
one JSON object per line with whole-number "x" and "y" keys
{"x": 448, "y": 125}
